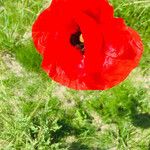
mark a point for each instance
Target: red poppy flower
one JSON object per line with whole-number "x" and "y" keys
{"x": 84, "y": 46}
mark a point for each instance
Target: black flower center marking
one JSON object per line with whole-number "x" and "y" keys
{"x": 76, "y": 40}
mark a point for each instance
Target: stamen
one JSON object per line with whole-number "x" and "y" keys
{"x": 78, "y": 41}
{"x": 81, "y": 38}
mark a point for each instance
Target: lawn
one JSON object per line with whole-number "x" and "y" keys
{"x": 39, "y": 114}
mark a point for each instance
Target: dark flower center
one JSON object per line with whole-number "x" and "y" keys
{"x": 76, "y": 41}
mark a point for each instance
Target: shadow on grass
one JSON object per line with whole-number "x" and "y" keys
{"x": 66, "y": 129}
{"x": 129, "y": 103}
{"x": 78, "y": 146}
{"x": 141, "y": 120}
{"x": 28, "y": 57}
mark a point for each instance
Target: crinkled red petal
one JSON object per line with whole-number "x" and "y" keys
{"x": 112, "y": 49}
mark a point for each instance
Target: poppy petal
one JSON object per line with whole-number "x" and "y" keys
{"x": 111, "y": 50}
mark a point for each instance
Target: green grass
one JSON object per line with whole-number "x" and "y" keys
{"x": 37, "y": 113}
